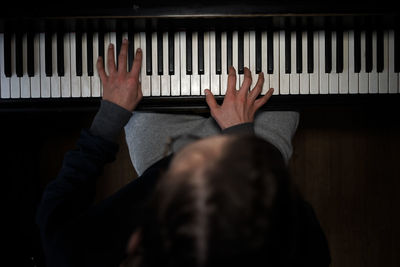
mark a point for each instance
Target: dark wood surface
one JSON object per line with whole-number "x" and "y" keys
{"x": 345, "y": 163}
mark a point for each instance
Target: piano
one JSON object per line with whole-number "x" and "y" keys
{"x": 312, "y": 53}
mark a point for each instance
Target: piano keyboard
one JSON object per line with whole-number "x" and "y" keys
{"x": 43, "y": 65}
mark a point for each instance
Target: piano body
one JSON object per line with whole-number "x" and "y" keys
{"x": 312, "y": 54}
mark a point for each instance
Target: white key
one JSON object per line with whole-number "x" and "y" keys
{"x": 323, "y": 76}
{"x": 66, "y": 79}
{"x": 155, "y": 78}
{"x": 246, "y": 53}
{"x": 55, "y": 81}
{"x": 275, "y": 76}
{"x": 85, "y": 80}
{"x": 165, "y": 78}
{"x": 393, "y": 77}
{"x": 353, "y": 76}
{"x": 35, "y": 80}
{"x": 294, "y": 76}
{"x": 145, "y": 79}
{"x": 373, "y": 75}
{"x": 344, "y": 76}
{"x": 44, "y": 80}
{"x": 304, "y": 76}
{"x": 195, "y": 78}
{"x": 363, "y": 75}
{"x": 284, "y": 77}
{"x": 15, "y": 81}
{"x": 384, "y": 75}
{"x": 214, "y": 78}
{"x": 95, "y": 79}
{"x": 314, "y": 76}
{"x": 224, "y": 70}
{"x": 113, "y": 40}
{"x": 75, "y": 80}
{"x": 252, "y": 58}
{"x": 235, "y": 54}
{"x": 334, "y": 76}
{"x": 176, "y": 78}
{"x": 264, "y": 62}
{"x": 5, "y": 83}
{"x": 185, "y": 78}
{"x": 25, "y": 80}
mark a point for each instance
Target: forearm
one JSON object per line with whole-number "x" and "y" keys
{"x": 74, "y": 188}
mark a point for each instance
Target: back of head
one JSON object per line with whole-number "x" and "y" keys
{"x": 234, "y": 211}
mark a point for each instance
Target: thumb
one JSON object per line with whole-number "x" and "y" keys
{"x": 211, "y": 102}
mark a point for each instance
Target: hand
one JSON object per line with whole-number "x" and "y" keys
{"x": 120, "y": 86}
{"x": 239, "y": 106}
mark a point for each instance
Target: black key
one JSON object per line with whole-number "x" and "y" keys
{"x": 218, "y": 66}
{"x": 270, "y": 52}
{"x": 299, "y": 53}
{"x": 368, "y": 51}
{"x": 288, "y": 51}
{"x": 171, "y": 54}
{"x": 160, "y": 54}
{"x": 78, "y": 53}
{"x": 18, "y": 55}
{"x": 189, "y": 53}
{"x": 258, "y": 52}
{"x": 396, "y": 51}
{"x": 379, "y": 51}
{"x": 357, "y": 51}
{"x": 310, "y": 52}
{"x": 48, "y": 61}
{"x": 7, "y": 54}
{"x": 60, "y": 54}
{"x": 149, "y": 65}
{"x": 131, "y": 50}
{"x": 119, "y": 43}
{"x": 200, "y": 48}
{"x": 89, "y": 47}
{"x": 328, "y": 51}
{"x": 241, "y": 53}
{"x": 229, "y": 51}
{"x": 101, "y": 46}
{"x": 339, "y": 51}
{"x": 30, "y": 55}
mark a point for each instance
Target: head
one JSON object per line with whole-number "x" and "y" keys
{"x": 225, "y": 200}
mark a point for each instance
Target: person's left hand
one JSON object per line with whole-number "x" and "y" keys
{"x": 120, "y": 86}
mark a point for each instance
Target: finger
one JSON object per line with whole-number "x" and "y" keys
{"x": 122, "y": 66}
{"x": 210, "y": 99}
{"x": 110, "y": 59}
{"x": 258, "y": 88}
{"x": 231, "y": 90}
{"x": 244, "y": 89}
{"x": 140, "y": 93}
{"x": 262, "y": 100}
{"x": 101, "y": 70}
{"x": 137, "y": 63}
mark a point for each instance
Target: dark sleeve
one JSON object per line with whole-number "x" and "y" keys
{"x": 109, "y": 120}
{"x": 243, "y": 128}
{"x": 71, "y": 194}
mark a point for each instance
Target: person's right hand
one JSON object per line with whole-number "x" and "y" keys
{"x": 239, "y": 106}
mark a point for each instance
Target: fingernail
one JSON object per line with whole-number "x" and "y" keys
{"x": 206, "y": 92}
{"x": 125, "y": 41}
{"x": 110, "y": 46}
{"x": 139, "y": 50}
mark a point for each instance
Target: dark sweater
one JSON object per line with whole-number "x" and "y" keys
{"x": 77, "y": 232}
